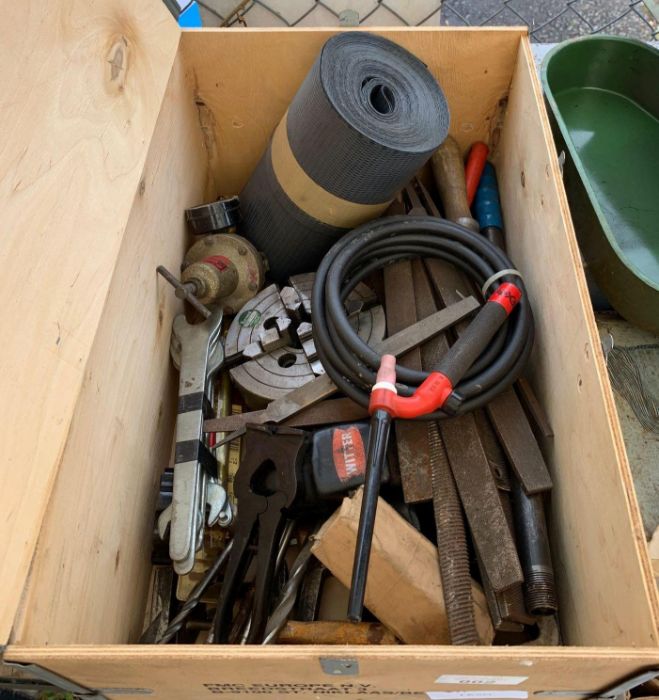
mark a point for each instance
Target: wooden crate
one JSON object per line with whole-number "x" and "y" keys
{"x": 113, "y": 123}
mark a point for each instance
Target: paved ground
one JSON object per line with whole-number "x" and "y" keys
{"x": 555, "y": 20}
{"x": 548, "y": 20}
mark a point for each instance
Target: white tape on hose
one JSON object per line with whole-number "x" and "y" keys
{"x": 498, "y": 275}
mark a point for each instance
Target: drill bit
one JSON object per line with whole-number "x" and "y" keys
{"x": 243, "y": 621}
{"x": 195, "y": 596}
{"x": 452, "y": 544}
{"x": 287, "y": 599}
{"x": 284, "y": 542}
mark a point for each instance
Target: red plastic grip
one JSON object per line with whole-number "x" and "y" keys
{"x": 428, "y": 397}
{"x": 508, "y": 295}
{"x": 474, "y": 169}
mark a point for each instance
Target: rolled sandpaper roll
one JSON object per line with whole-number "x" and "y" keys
{"x": 368, "y": 115}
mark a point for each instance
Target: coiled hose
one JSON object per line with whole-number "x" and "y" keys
{"x": 352, "y": 364}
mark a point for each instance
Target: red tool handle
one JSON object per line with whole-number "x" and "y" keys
{"x": 474, "y": 168}
{"x": 437, "y": 387}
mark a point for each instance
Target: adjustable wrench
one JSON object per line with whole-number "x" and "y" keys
{"x": 197, "y": 350}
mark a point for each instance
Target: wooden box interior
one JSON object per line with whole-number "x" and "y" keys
{"x": 226, "y": 92}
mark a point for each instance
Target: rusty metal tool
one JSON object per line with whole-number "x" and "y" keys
{"x": 411, "y": 296}
{"x": 266, "y": 486}
{"x": 506, "y": 412}
{"x": 411, "y": 436}
{"x": 340, "y": 410}
{"x": 416, "y": 206}
{"x": 452, "y": 545}
{"x": 494, "y": 452}
{"x": 519, "y": 443}
{"x": 223, "y": 269}
{"x": 500, "y": 605}
{"x": 428, "y": 202}
{"x": 220, "y": 269}
{"x": 418, "y": 486}
{"x": 465, "y": 445}
{"x": 330, "y": 632}
{"x": 448, "y": 169}
{"x": 492, "y": 535}
{"x": 322, "y": 387}
{"x": 385, "y": 406}
{"x": 534, "y": 408}
{"x": 507, "y": 608}
{"x": 449, "y": 519}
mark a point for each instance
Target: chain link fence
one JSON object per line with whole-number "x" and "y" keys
{"x": 548, "y": 20}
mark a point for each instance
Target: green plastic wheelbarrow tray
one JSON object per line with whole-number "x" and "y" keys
{"x": 604, "y": 95}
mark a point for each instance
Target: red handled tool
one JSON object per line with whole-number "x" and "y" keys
{"x": 474, "y": 168}
{"x": 386, "y": 405}
{"x": 487, "y": 358}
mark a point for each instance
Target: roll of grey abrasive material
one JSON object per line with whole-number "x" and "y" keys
{"x": 368, "y": 115}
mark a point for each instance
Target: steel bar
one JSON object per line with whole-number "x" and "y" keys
{"x": 411, "y": 436}
{"x": 519, "y": 443}
{"x": 487, "y": 521}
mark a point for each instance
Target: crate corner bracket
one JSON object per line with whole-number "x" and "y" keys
{"x": 339, "y": 666}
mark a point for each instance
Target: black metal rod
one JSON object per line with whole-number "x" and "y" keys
{"x": 183, "y": 291}
{"x": 534, "y": 551}
{"x": 377, "y": 453}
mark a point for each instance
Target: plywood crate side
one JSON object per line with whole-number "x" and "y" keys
{"x": 602, "y": 571}
{"x": 81, "y": 93}
{"x": 93, "y": 554}
{"x": 202, "y": 672}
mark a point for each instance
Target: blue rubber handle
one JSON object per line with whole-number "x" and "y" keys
{"x": 487, "y": 208}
